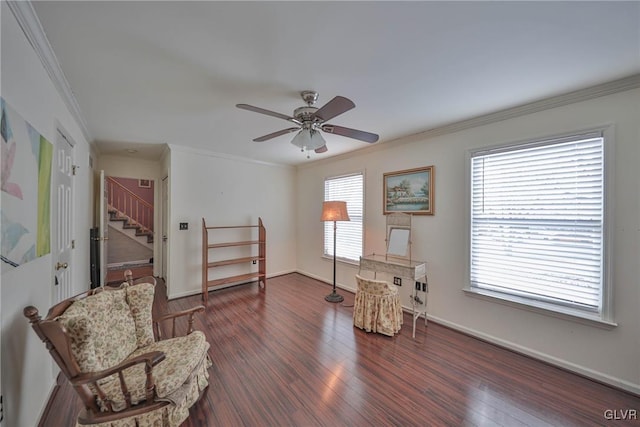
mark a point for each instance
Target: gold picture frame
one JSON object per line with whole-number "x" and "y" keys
{"x": 409, "y": 191}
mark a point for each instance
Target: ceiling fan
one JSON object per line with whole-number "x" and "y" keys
{"x": 311, "y": 120}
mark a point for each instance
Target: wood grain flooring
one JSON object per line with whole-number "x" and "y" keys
{"x": 286, "y": 357}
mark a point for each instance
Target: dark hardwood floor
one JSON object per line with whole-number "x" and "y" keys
{"x": 286, "y": 357}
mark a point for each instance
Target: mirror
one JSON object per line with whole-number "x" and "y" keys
{"x": 398, "y": 242}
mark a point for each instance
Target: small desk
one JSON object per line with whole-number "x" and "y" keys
{"x": 415, "y": 270}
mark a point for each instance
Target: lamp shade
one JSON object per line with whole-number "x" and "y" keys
{"x": 334, "y": 211}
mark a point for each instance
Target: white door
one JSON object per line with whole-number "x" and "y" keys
{"x": 63, "y": 235}
{"x": 164, "y": 212}
{"x": 104, "y": 227}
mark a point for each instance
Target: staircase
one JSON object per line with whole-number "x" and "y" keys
{"x": 140, "y": 232}
{"x": 134, "y": 213}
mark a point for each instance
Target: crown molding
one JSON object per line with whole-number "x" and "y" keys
{"x": 609, "y": 88}
{"x": 209, "y": 153}
{"x": 597, "y": 91}
{"x": 30, "y": 24}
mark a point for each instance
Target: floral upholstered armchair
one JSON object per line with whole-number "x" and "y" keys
{"x": 377, "y": 307}
{"x": 107, "y": 344}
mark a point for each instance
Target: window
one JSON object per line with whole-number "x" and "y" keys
{"x": 349, "y": 188}
{"x": 537, "y": 224}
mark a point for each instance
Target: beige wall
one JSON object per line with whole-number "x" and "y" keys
{"x": 227, "y": 191}
{"x": 610, "y": 355}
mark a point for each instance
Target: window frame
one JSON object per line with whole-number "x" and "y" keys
{"x": 328, "y": 225}
{"x": 603, "y": 318}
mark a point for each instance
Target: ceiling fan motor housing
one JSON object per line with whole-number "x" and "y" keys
{"x": 304, "y": 114}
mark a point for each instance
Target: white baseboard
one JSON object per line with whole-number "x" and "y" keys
{"x": 561, "y": 363}
{"x": 199, "y": 291}
{"x": 323, "y": 280}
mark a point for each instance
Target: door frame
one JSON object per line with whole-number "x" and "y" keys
{"x": 164, "y": 214}
{"x": 103, "y": 227}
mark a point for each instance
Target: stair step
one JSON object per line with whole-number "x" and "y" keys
{"x": 115, "y": 215}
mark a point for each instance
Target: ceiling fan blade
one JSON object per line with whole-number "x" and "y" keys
{"x": 322, "y": 149}
{"x": 335, "y": 107}
{"x": 351, "y": 133}
{"x": 267, "y": 112}
{"x": 274, "y": 134}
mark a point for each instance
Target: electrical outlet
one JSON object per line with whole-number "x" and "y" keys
{"x": 425, "y": 287}
{"x": 417, "y": 286}
{"x": 397, "y": 281}
{"x": 184, "y": 226}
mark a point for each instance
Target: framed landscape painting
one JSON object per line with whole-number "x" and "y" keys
{"x": 409, "y": 191}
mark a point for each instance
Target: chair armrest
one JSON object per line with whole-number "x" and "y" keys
{"x": 173, "y": 316}
{"x": 150, "y": 360}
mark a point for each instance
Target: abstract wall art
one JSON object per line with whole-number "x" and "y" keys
{"x": 25, "y": 196}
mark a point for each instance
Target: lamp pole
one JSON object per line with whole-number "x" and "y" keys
{"x": 334, "y": 296}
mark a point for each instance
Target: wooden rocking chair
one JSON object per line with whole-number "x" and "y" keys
{"x": 110, "y": 349}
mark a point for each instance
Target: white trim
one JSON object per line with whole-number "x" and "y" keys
{"x": 562, "y": 363}
{"x": 606, "y": 299}
{"x": 323, "y": 280}
{"x": 33, "y": 31}
{"x": 545, "y": 309}
{"x": 597, "y": 91}
{"x": 209, "y": 153}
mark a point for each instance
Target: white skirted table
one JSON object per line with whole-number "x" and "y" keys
{"x": 398, "y": 267}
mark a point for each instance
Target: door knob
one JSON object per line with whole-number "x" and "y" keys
{"x": 60, "y": 266}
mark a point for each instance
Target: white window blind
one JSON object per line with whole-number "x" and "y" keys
{"x": 537, "y": 221}
{"x": 349, "y": 233}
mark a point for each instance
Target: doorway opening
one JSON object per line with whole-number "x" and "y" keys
{"x": 130, "y": 213}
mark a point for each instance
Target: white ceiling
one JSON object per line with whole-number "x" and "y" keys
{"x": 147, "y": 73}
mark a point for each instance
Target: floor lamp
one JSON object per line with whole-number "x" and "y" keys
{"x": 334, "y": 211}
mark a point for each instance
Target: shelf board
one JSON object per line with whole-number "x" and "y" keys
{"x": 234, "y": 261}
{"x": 229, "y": 244}
{"x": 232, "y": 226}
{"x": 233, "y": 279}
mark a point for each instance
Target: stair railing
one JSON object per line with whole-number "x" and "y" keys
{"x": 130, "y": 204}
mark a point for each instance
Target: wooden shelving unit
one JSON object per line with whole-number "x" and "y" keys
{"x": 209, "y": 261}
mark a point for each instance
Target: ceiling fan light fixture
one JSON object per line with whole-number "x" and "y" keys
{"x": 308, "y": 139}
